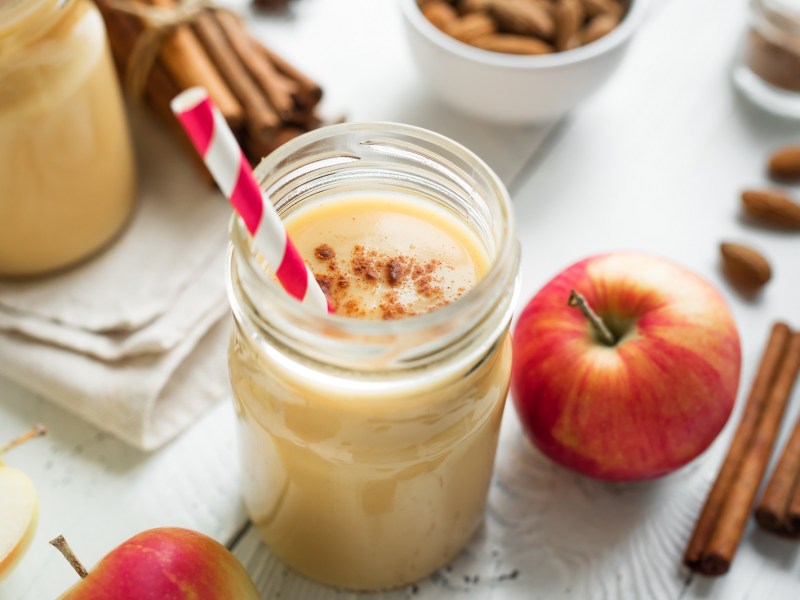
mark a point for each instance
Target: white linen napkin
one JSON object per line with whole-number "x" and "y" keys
{"x": 133, "y": 340}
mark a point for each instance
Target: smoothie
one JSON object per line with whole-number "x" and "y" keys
{"x": 360, "y": 484}
{"x": 385, "y": 257}
{"x": 66, "y": 160}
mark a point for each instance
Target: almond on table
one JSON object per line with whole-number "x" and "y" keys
{"x": 784, "y": 164}
{"x": 746, "y": 267}
{"x": 773, "y": 207}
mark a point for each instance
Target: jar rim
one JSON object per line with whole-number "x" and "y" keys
{"x": 485, "y": 293}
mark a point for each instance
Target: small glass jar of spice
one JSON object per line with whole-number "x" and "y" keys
{"x": 769, "y": 73}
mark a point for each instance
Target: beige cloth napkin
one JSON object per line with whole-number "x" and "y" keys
{"x": 135, "y": 339}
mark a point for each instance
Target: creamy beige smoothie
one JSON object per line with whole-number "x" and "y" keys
{"x": 358, "y": 489}
{"x": 66, "y": 160}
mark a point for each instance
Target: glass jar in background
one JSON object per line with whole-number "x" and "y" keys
{"x": 769, "y": 73}
{"x": 66, "y": 161}
{"x": 368, "y": 446}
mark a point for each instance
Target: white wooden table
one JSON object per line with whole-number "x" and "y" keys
{"x": 653, "y": 162}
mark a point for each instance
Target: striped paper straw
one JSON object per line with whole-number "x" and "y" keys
{"x": 214, "y": 140}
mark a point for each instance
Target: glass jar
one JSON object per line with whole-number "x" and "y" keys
{"x": 66, "y": 162}
{"x": 769, "y": 73}
{"x": 368, "y": 446}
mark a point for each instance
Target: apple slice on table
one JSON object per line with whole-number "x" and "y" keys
{"x": 19, "y": 507}
{"x": 167, "y": 563}
{"x": 626, "y": 366}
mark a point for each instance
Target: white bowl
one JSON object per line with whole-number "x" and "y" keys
{"x": 514, "y": 89}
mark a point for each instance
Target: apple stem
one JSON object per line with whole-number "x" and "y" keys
{"x": 602, "y": 330}
{"x": 36, "y": 431}
{"x": 61, "y": 544}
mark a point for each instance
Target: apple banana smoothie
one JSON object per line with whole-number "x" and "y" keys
{"x": 368, "y": 436}
{"x": 67, "y": 174}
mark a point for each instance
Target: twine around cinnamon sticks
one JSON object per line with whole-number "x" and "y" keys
{"x": 721, "y": 524}
{"x": 162, "y": 48}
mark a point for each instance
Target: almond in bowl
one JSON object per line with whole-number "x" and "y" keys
{"x": 518, "y": 61}
{"x": 525, "y": 26}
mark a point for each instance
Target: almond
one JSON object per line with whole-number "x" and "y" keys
{"x": 602, "y": 7}
{"x": 569, "y": 18}
{"x": 744, "y": 266}
{"x": 471, "y": 26}
{"x": 439, "y": 13}
{"x": 772, "y": 207}
{"x": 511, "y": 44}
{"x": 785, "y": 163}
{"x": 525, "y": 17}
{"x": 470, "y": 6}
{"x": 599, "y": 26}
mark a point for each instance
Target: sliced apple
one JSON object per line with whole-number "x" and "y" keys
{"x": 19, "y": 511}
{"x": 19, "y": 507}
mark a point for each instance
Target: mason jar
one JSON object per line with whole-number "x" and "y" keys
{"x": 368, "y": 445}
{"x": 66, "y": 162}
{"x": 769, "y": 71}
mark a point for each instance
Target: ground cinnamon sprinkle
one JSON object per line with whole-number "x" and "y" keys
{"x": 386, "y": 274}
{"x": 396, "y": 271}
{"x": 324, "y": 252}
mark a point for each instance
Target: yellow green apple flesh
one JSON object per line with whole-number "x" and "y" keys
{"x": 19, "y": 506}
{"x": 167, "y": 563}
{"x": 18, "y": 515}
{"x": 645, "y": 401}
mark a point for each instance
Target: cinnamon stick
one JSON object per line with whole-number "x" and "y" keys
{"x": 309, "y": 93}
{"x": 773, "y": 510}
{"x": 732, "y": 519}
{"x": 771, "y": 359}
{"x": 123, "y": 30}
{"x": 274, "y": 100}
{"x": 256, "y": 150}
{"x": 261, "y": 120}
{"x": 793, "y": 512}
{"x": 277, "y": 88}
{"x": 189, "y": 65}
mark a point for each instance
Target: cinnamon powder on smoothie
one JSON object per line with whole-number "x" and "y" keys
{"x": 398, "y": 281}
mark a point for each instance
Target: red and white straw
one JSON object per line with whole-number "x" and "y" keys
{"x": 214, "y": 140}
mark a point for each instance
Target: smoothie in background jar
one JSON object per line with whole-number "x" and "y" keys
{"x": 368, "y": 438}
{"x": 66, "y": 163}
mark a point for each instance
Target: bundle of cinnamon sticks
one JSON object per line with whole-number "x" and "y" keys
{"x": 722, "y": 521}
{"x": 264, "y": 99}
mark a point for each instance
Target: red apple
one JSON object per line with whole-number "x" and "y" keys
{"x": 163, "y": 564}
{"x": 643, "y": 402}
